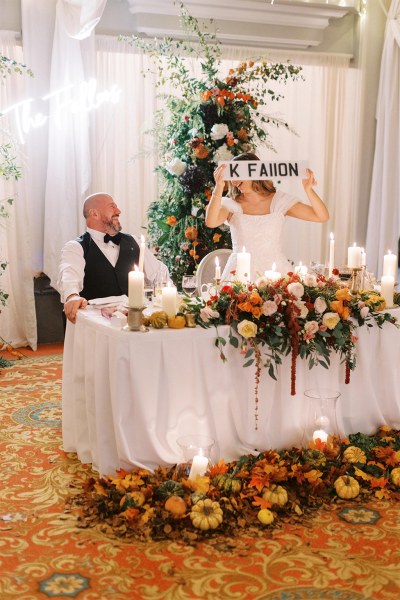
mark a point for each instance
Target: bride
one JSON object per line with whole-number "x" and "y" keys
{"x": 255, "y": 212}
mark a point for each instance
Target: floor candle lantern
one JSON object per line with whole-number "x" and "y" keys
{"x": 321, "y": 424}
{"x": 196, "y": 456}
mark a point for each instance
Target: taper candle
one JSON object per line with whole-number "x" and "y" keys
{"x": 331, "y": 254}
{"x": 142, "y": 250}
{"x": 217, "y": 269}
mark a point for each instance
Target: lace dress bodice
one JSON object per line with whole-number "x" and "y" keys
{"x": 261, "y": 235}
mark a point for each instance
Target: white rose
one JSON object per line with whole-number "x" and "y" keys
{"x": 219, "y": 131}
{"x": 320, "y": 305}
{"x": 222, "y": 153}
{"x": 262, "y": 282}
{"x": 247, "y": 329}
{"x": 296, "y": 288}
{"x": 310, "y": 279}
{"x": 176, "y": 167}
{"x": 208, "y": 313}
{"x": 302, "y": 308}
{"x": 269, "y": 308}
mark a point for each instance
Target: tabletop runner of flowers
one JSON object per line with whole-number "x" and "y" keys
{"x": 308, "y": 316}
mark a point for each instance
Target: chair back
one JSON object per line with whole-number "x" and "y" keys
{"x": 206, "y": 269}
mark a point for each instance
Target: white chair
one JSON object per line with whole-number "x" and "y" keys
{"x": 206, "y": 270}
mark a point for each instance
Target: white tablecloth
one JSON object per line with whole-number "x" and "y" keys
{"x": 128, "y": 396}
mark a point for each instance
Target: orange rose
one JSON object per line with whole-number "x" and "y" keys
{"x": 191, "y": 233}
{"x": 242, "y": 134}
{"x": 201, "y": 151}
{"x": 340, "y": 309}
{"x": 171, "y": 221}
{"x": 255, "y": 298}
{"x": 343, "y": 294}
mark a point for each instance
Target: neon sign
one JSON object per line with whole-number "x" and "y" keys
{"x": 69, "y": 99}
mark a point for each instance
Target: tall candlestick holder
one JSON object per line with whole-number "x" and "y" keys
{"x": 354, "y": 280}
{"x": 135, "y": 319}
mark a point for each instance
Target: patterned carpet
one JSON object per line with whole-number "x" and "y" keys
{"x": 350, "y": 552}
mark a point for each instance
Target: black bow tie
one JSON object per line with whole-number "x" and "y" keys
{"x": 115, "y": 239}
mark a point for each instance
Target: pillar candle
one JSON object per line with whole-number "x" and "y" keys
{"x": 169, "y": 299}
{"x": 141, "y": 255}
{"x": 217, "y": 269}
{"x": 300, "y": 269}
{"x": 390, "y": 265}
{"x": 331, "y": 254}
{"x": 354, "y": 257}
{"x": 320, "y": 434}
{"x": 136, "y": 288}
{"x": 387, "y": 289}
{"x": 243, "y": 266}
{"x": 199, "y": 466}
{"x": 273, "y": 274}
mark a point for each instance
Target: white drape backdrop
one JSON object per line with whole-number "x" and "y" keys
{"x": 384, "y": 210}
{"x": 319, "y": 109}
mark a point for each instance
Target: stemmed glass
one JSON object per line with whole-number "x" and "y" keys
{"x": 189, "y": 285}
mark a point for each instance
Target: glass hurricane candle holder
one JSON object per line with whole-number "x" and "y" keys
{"x": 321, "y": 416}
{"x": 196, "y": 456}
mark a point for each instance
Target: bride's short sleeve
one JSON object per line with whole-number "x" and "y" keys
{"x": 282, "y": 202}
{"x": 231, "y": 205}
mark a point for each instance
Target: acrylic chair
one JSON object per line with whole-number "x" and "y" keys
{"x": 206, "y": 269}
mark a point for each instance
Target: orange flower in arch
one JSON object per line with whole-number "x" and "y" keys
{"x": 171, "y": 220}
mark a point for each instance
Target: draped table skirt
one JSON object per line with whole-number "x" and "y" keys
{"x": 128, "y": 396}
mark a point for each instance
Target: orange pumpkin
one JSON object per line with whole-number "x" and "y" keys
{"x": 176, "y": 322}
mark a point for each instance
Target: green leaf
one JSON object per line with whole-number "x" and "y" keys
{"x": 249, "y": 362}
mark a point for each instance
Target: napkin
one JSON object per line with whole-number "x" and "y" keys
{"x": 109, "y": 300}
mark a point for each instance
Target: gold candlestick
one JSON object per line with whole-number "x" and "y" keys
{"x": 135, "y": 319}
{"x": 354, "y": 283}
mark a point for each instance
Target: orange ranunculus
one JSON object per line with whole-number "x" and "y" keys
{"x": 221, "y": 101}
{"x": 216, "y": 238}
{"x": 195, "y": 243}
{"x": 338, "y": 307}
{"x": 171, "y": 221}
{"x": 343, "y": 294}
{"x": 230, "y": 141}
{"x": 193, "y": 254}
{"x": 191, "y": 233}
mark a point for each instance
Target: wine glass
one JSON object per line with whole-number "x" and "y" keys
{"x": 189, "y": 285}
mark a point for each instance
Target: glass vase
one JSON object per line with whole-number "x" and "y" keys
{"x": 321, "y": 416}
{"x": 196, "y": 456}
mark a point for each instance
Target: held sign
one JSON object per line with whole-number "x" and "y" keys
{"x": 258, "y": 169}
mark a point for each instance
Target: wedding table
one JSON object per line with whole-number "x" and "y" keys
{"x": 128, "y": 396}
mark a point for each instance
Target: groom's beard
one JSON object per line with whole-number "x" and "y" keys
{"x": 112, "y": 224}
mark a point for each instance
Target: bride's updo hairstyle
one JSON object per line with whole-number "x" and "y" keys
{"x": 262, "y": 186}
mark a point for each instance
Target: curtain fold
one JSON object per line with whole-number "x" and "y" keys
{"x": 18, "y": 318}
{"x": 384, "y": 209}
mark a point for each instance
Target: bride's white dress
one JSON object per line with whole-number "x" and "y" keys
{"x": 261, "y": 235}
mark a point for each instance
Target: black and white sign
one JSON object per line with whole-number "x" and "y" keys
{"x": 258, "y": 169}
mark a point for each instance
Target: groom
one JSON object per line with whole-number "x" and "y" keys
{"x": 96, "y": 264}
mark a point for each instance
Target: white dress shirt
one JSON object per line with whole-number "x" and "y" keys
{"x": 72, "y": 265}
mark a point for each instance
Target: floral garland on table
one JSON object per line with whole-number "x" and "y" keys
{"x": 249, "y": 496}
{"x": 209, "y": 118}
{"x": 308, "y": 316}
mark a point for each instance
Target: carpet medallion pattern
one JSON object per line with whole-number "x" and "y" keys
{"x": 347, "y": 552}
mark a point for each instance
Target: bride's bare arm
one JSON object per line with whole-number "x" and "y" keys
{"x": 317, "y": 212}
{"x": 216, "y": 214}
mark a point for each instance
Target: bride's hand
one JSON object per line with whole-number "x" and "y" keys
{"x": 219, "y": 176}
{"x": 310, "y": 181}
